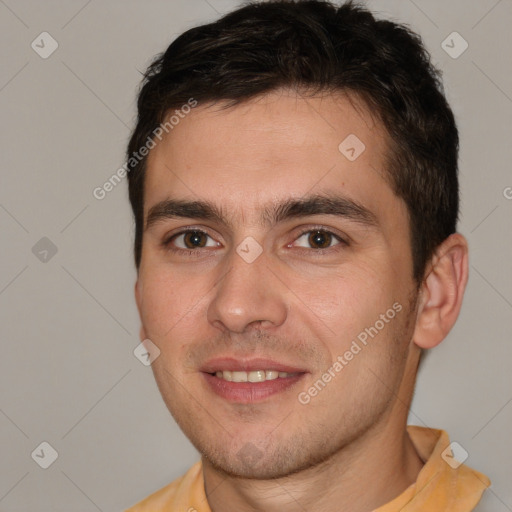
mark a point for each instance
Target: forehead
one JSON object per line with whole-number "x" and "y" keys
{"x": 272, "y": 147}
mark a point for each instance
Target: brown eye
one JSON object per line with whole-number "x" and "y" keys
{"x": 191, "y": 239}
{"x": 194, "y": 239}
{"x": 320, "y": 239}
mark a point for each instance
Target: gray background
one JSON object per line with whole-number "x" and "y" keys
{"x": 69, "y": 324}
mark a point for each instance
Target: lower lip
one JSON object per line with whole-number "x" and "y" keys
{"x": 250, "y": 392}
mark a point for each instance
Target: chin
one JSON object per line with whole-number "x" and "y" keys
{"x": 252, "y": 463}
{"x": 264, "y": 470}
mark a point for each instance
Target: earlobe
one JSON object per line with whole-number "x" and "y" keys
{"x": 442, "y": 292}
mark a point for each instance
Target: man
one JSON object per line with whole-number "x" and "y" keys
{"x": 293, "y": 176}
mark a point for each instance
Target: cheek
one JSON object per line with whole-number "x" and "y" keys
{"x": 167, "y": 300}
{"x": 345, "y": 302}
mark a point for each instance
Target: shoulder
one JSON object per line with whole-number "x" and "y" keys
{"x": 175, "y": 494}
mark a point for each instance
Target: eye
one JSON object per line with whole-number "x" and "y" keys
{"x": 191, "y": 239}
{"x": 318, "y": 239}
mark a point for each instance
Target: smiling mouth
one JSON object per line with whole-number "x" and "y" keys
{"x": 241, "y": 387}
{"x": 245, "y": 380}
{"x": 253, "y": 376}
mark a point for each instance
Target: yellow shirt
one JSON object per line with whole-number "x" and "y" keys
{"x": 439, "y": 486}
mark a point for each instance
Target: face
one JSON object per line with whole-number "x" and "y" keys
{"x": 275, "y": 280}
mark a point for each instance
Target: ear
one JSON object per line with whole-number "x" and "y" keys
{"x": 442, "y": 292}
{"x": 138, "y": 300}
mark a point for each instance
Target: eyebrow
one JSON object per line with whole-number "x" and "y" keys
{"x": 272, "y": 214}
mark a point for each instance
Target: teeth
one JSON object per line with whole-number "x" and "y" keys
{"x": 239, "y": 376}
{"x": 257, "y": 376}
{"x": 254, "y": 376}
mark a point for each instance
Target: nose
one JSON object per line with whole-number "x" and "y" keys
{"x": 248, "y": 295}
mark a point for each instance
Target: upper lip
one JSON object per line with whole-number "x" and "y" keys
{"x": 248, "y": 365}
